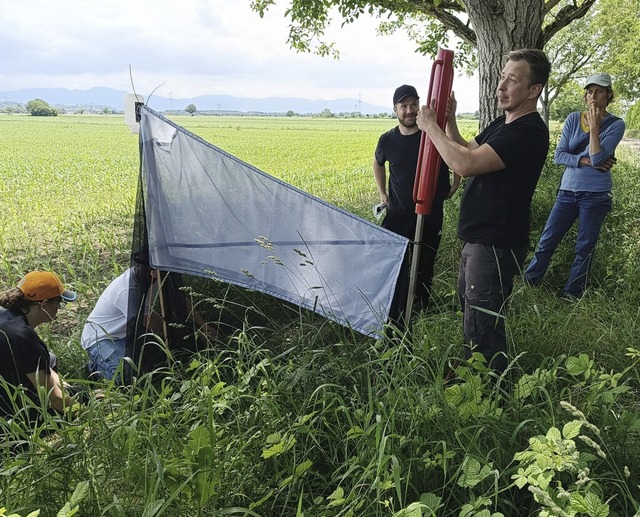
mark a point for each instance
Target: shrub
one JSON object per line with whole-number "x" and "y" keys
{"x": 40, "y": 108}
{"x": 633, "y": 119}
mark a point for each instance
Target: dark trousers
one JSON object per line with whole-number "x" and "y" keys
{"x": 404, "y": 224}
{"x": 485, "y": 282}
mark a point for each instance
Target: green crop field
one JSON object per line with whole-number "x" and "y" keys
{"x": 293, "y": 415}
{"x": 72, "y": 172}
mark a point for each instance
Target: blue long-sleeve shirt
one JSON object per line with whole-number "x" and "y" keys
{"x": 574, "y": 144}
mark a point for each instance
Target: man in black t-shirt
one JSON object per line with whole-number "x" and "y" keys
{"x": 503, "y": 164}
{"x": 400, "y": 147}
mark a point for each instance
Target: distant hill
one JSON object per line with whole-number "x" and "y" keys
{"x": 96, "y": 99}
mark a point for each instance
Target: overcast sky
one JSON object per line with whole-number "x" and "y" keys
{"x": 200, "y": 47}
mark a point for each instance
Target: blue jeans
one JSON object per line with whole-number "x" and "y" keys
{"x": 590, "y": 209}
{"x": 105, "y": 356}
{"x": 485, "y": 282}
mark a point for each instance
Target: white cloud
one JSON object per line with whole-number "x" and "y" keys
{"x": 200, "y": 47}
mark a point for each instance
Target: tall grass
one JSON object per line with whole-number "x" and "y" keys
{"x": 292, "y": 415}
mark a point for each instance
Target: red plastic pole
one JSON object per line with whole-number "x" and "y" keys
{"x": 440, "y": 84}
{"x": 427, "y": 170}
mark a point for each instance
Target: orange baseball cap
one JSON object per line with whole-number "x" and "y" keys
{"x": 43, "y": 285}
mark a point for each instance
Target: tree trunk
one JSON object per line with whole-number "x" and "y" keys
{"x": 545, "y": 104}
{"x": 501, "y": 26}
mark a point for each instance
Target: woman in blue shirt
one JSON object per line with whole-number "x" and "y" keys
{"x": 587, "y": 145}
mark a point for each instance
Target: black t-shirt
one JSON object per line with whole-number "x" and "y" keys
{"x": 21, "y": 352}
{"x": 401, "y": 151}
{"x": 495, "y": 207}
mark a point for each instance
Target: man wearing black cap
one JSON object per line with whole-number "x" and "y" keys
{"x": 400, "y": 147}
{"x": 502, "y": 164}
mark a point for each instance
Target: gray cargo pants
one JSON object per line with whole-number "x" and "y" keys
{"x": 485, "y": 282}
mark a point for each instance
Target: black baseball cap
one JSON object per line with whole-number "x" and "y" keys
{"x": 404, "y": 91}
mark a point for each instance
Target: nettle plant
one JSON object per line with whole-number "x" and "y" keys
{"x": 557, "y": 472}
{"x": 562, "y": 468}
{"x": 569, "y": 471}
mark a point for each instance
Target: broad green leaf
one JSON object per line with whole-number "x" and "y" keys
{"x": 472, "y": 473}
{"x": 554, "y": 434}
{"x": 579, "y": 365}
{"x": 80, "y": 493}
{"x": 286, "y": 443}
{"x": 571, "y": 429}
{"x": 198, "y": 438}
{"x": 520, "y": 479}
{"x": 413, "y": 510}
{"x": 303, "y": 467}
{"x": 337, "y": 497}
{"x": 67, "y": 511}
{"x": 589, "y": 504}
{"x": 431, "y": 501}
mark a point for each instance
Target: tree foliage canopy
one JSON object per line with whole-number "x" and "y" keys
{"x": 633, "y": 117}
{"x": 569, "y": 99}
{"x": 430, "y": 22}
{"x": 618, "y": 44}
{"x": 606, "y": 39}
{"x": 485, "y": 31}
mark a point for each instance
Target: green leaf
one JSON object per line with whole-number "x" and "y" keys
{"x": 152, "y": 508}
{"x": 261, "y": 501}
{"x": 431, "y": 501}
{"x": 198, "y": 438}
{"x": 413, "y": 510}
{"x": 571, "y": 429}
{"x": 554, "y": 434}
{"x": 337, "y": 497}
{"x": 305, "y": 418}
{"x": 355, "y": 431}
{"x": 545, "y": 478}
{"x": 520, "y": 479}
{"x": 472, "y": 472}
{"x": 67, "y": 511}
{"x": 589, "y": 504}
{"x": 303, "y": 467}
{"x": 579, "y": 365}
{"x": 80, "y": 493}
{"x": 286, "y": 443}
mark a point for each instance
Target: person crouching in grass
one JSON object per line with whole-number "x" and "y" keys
{"x": 26, "y": 365}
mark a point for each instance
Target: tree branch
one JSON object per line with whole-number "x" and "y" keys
{"x": 566, "y": 15}
{"x": 462, "y": 30}
{"x": 443, "y": 13}
{"x": 550, "y": 5}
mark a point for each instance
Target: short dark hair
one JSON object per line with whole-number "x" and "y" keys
{"x": 539, "y": 66}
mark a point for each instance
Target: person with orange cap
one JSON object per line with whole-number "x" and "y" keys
{"x": 25, "y": 361}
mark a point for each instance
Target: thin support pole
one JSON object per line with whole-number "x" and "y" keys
{"x": 163, "y": 308}
{"x": 415, "y": 261}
